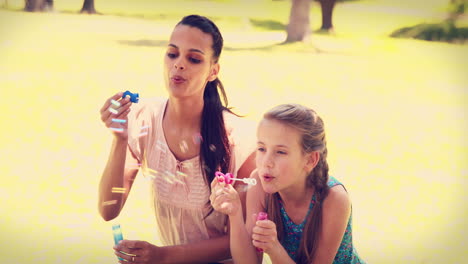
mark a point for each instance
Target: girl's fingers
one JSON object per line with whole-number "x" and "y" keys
{"x": 214, "y": 182}
{"x": 260, "y": 230}
{"x": 258, "y": 244}
{"x": 258, "y": 237}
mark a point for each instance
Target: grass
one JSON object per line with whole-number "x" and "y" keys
{"x": 394, "y": 109}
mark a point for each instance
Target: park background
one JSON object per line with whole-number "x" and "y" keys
{"x": 395, "y": 113}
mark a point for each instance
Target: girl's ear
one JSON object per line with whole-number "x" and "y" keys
{"x": 312, "y": 160}
{"x": 214, "y": 72}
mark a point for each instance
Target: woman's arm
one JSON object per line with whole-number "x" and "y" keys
{"x": 335, "y": 216}
{"x": 206, "y": 251}
{"x": 117, "y": 174}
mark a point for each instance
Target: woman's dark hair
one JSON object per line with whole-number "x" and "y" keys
{"x": 311, "y": 128}
{"x": 215, "y": 153}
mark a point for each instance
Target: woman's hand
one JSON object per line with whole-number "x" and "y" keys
{"x": 114, "y": 114}
{"x": 264, "y": 236}
{"x": 135, "y": 251}
{"x": 224, "y": 198}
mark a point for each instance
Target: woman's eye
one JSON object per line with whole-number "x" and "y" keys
{"x": 281, "y": 152}
{"x": 194, "y": 60}
{"x": 171, "y": 55}
{"x": 261, "y": 149}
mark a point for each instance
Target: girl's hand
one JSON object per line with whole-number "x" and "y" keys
{"x": 224, "y": 198}
{"x": 135, "y": 251}
{"x": 264, "y": 236}
{"x": 114, "y": 114}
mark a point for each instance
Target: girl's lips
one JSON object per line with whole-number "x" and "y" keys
{"x": 267, "y": 177}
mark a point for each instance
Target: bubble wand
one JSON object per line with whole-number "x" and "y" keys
{"x": 229, "y": 179}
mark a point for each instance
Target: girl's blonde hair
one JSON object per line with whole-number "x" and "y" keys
{"x": 311, "y": 128}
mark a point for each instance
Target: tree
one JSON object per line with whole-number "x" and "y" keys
{"x": 38, "y": 5}
{"x": 88, "y": 7}
{"x": 327, "y": 13}
{"x": 298, "y": 28}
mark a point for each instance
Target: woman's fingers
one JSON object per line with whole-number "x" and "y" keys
{"x": 108, "y": 102}
{"x": 114, "y": 113}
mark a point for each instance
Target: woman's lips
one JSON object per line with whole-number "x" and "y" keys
{"x": 177, "y": 79}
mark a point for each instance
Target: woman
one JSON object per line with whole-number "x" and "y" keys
{"x": 181, "y": 142}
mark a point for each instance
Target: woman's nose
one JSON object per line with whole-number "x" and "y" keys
{"x": 179, "y": 65}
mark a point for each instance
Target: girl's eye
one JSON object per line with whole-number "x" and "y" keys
{"x": 171, "y": 55}
{"x": 261, "y": 149}
{"x": 281, "y": 152}
{"x": 194, "y": 60}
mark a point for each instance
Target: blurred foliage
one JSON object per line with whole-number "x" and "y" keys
{"x": 444, "y": 31}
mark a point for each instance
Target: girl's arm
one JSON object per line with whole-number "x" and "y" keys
{"x": 244, "y": 172}
{"x": 335, "y": 216}
{"x": 264, "y": 230}
{"x": 242, "y": 249}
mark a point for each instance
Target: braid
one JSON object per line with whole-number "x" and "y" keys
{"x": 317, "y": 179}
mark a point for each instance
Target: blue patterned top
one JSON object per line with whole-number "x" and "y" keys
{"x": 346, "y": 253}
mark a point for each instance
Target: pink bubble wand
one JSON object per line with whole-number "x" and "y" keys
{"x": 229, "y": 179}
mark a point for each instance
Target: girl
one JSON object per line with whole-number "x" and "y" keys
{"x": 309, "y": 213}
{"x": 180, "y": 141}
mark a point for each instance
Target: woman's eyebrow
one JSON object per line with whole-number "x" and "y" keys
{"x": 192, "y": 50}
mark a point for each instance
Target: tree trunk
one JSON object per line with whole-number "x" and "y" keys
{"x": 38, "y": 5}
{"x": 34, "y": 5}
{"x": 88, "y": 7}
{"x": 298, "y": 28}
{"x": 327, "y": 13}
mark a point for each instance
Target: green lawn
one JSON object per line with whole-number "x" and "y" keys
{"x": 395, "y": 112}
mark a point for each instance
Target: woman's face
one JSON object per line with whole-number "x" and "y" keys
{"x": 189, "y": 64}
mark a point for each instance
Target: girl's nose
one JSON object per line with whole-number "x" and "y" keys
{"x": 267, "y": 161}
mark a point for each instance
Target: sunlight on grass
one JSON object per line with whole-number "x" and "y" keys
{"x": 395, "y": 113}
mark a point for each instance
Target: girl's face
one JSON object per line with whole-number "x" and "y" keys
{"x": 280, "y": 160}
{"x": 188, "y": 62}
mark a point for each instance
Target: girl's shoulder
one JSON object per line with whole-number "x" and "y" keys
{"x": 337, "y": 194}
{"x": 332, "y": 182}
